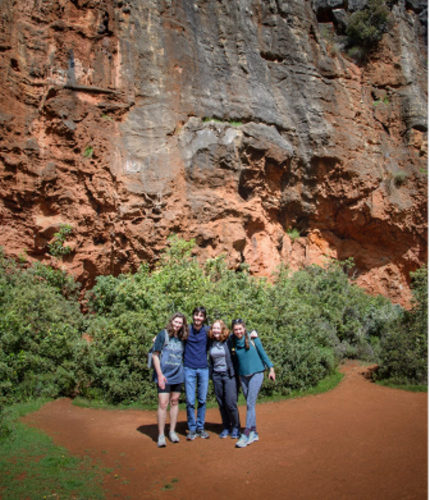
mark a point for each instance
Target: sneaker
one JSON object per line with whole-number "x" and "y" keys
{"x": 235, "y": 434}
{"x": 253, "y": 436}
{"x": 161, "y": 441}
{"x": 224, "y": 434}
{"x": 203, "y": 434}
{"x": 243, "y": 441}
{"x": 173, "y": 437}
{"x": 191, "y": 436}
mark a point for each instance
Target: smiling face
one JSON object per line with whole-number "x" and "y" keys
{"x": 239, "y": 330}
{"x": 217, "y": 330}
{"x": 198, "y": 318}
{"x": 177, "y": 324}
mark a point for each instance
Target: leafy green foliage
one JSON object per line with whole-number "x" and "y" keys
{"x": 293, "y": 233}
{"x": 404, "y": 345}
{"x": 56, "y": 247}
{"x": 89, "y": 151}
{"x": 307, "y": 321}
{"x": 40, "y": 332}
{"x": 385, "y": 101}
{"x": 366, "y": 27}
{"x": 233, "y": 123}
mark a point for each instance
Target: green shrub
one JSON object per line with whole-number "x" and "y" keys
{"x": 56, "y": 247}
{"x": 404, "y": 345}
{"x": 293, "y": 233}
{"x": 40, "y": 330}
{"x": 366, "y": 27}
{"x": 307, "y": 320}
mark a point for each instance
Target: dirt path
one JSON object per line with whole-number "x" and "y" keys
{"x": 359, "y": 441}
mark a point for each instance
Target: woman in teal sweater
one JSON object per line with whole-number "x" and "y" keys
{"x": 251, "y": 361}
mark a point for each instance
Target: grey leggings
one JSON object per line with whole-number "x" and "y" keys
{"x": 251, "y": 385}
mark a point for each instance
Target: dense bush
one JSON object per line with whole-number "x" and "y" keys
{"x": 40, "y": 331}
{"x": 5, "y": 427}
{"x": 404, "y": 346}
{"x": 366, "y": 27}
{"x": 307, "y": 321}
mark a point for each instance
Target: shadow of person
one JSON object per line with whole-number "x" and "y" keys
{"x": 215, "y": 428}
{"x": 151, "y": 430}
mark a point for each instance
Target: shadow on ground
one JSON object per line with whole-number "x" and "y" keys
{"x": 151, "y": 430}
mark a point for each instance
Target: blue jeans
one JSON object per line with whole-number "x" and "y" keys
{"x": 251, "y": 385}
{"x": 193, "y": 377}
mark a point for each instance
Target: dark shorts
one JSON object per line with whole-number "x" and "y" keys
{"x": 169, "y": 388}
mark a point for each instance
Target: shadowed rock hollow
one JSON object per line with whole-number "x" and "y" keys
{"x": 232, "y": 122}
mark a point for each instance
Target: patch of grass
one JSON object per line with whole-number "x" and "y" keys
{"x": 324, "y": 385}
{"x": 207, "y": 119}
{"x": 102, "y": 405}
{"x": 385, "y": 101}
{"x": 233, "y": 123}
{"x": 168, "y": 486}
{"x": 32, "y": 467}
{"x": 88, "y": 153}
{"x": 403, "y": 387}
{"x": 293, "y": 233}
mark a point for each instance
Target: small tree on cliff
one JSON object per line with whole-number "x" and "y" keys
{"x": 366, "y": 27}
{"x": 56, "y": 247}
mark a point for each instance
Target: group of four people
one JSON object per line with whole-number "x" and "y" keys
{"x": 180, "y": 355}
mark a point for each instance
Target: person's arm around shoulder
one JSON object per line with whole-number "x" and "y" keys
{"x": 265, "y": 359}
{"x": 253, "y": 334}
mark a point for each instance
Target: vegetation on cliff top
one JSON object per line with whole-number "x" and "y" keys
{"x": 308, "y": 321}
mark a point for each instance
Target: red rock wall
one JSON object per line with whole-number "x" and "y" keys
{"x": 229, "y": 122}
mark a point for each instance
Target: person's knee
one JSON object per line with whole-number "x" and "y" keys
{"x": 174, "y": 401}
{"x": 163, "y": 405}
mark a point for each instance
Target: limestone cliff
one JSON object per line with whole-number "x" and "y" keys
{"x": 238, "y": 123}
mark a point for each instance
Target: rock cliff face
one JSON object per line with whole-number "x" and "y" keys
{"x": 235, "y": 122}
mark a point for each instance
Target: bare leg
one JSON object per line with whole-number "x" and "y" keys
{"x": 163, "y": 401}
{"x": 174, "y": 409}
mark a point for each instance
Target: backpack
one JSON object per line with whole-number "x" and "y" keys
{"x": 150, "y": 360}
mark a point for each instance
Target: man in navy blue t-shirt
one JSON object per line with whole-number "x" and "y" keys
{"x": 196, "y": 372}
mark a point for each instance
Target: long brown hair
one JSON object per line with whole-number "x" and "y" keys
{"x": 224, "y": 331}
{"x": 183, "y": 332}
{"x": 240, "y": 321}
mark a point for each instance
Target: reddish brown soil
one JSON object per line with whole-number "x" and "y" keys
{"x": 359, "y": 441}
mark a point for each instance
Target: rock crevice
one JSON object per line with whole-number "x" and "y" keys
{"x": 235, "y": 123}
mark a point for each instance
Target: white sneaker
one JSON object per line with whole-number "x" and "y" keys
{"x": 173, "y": 437}
{"x": 161, "y": 441}
{"x": 243, "y": 441}
{"x": 253, "y": 436}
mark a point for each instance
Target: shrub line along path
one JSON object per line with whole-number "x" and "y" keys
{"x": 359, "y": 441}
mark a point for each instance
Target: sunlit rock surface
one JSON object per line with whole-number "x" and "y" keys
{"x": 236, "y": 123}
